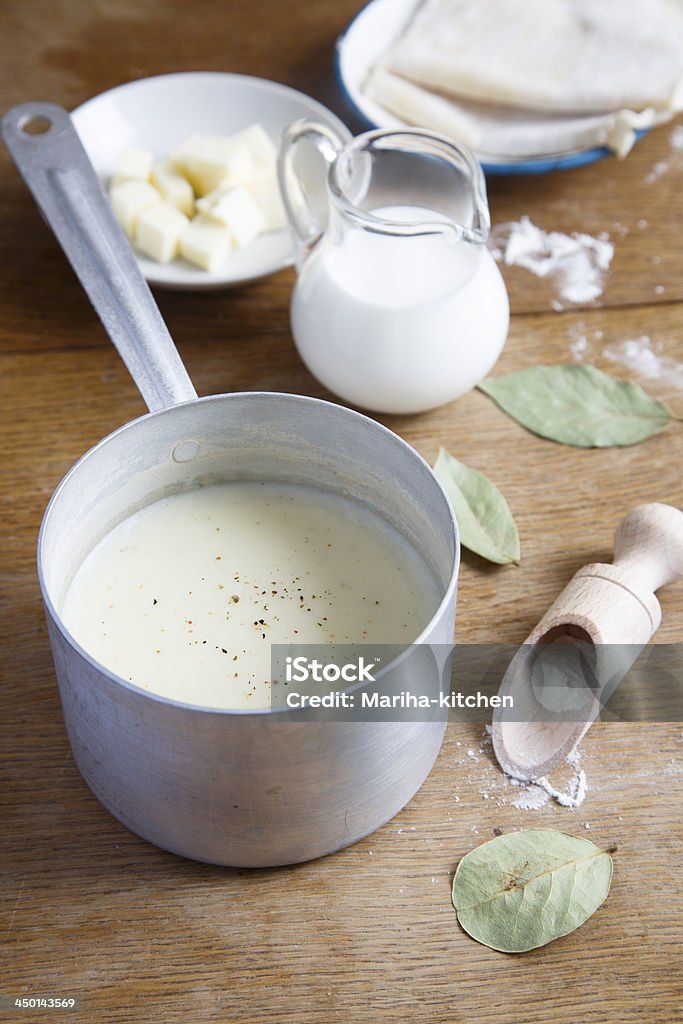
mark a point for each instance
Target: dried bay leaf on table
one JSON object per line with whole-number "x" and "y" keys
{"x": 578, "y": 405}
{"x": 522, "y": 890}
{"x": 484, "y": 518}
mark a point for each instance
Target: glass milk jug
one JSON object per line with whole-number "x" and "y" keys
{"x": 398, "y": 305}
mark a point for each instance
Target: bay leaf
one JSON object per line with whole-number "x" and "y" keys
{"x": 524, "y": 889}
{"x": 484, "y": 518}
{"x": 578, "y": 405}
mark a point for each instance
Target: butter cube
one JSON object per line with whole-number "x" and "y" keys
{"x": 260, "y": 145}
{"x": 159, "y": 230}
{"x": 266, "y": 191}
{"x": 205, "y": 243}
{"x": 208, "y": 161}
{"x": 173, "y": 187}
{"x": 134, "y": 165}
{"x": 129, "y": 199}
{"x": 237, "y": 210}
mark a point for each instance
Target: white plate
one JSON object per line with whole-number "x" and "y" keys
{"x": 159, "y": 113}
{"x": 364, "y": 41}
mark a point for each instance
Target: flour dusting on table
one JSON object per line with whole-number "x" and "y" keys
{"x": 674, "y": 162}
{"x": 536, "y": 794}
{"x": 643, "y": 355}
{"x": 578, "y": 262}
{"x": 480, "y": 769}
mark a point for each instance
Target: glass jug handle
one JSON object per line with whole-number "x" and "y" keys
{"x": 305, "y": 227}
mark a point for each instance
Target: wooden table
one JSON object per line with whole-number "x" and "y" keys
{"x": 368, "y": 934}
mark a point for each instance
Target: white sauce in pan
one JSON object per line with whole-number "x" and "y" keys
{"x": 185, "y": 597}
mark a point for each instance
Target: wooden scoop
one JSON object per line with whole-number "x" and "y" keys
{"x": 585, "y": 644}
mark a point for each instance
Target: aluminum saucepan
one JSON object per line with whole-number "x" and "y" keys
{"x": 241, "y": 788}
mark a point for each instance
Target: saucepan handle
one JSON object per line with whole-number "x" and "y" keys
{"x": 46, "y": 148}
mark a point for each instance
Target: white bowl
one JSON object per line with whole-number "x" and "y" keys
{"x": 159, "y": 113}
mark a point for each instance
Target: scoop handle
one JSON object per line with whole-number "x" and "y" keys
{"x": 614, "y": 608}
{"x": 64, "y": 184}
{"x": 648, "y": 547}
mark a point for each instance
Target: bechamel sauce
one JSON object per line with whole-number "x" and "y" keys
{"x": 186, "y": 596}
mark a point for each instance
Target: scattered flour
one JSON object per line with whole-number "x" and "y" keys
{"x": 494, "y": 785}
{"x": 575, "y": 793}
{"x": 580, "y": 345}
{"x": 531, "y": 799}
{"x": 675, "y": 162}
{"x": 536, "y": 794}
{"x": 579, "y": 348}
{"x": 574, "y": 757}
{"x": 578, "y": 262}
{"x": 642, "y": 355}
{"x": 658, "y": 171}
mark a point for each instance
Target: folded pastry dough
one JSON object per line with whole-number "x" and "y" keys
{"x": 571, "y": 56}
{"x": 501, "y": 132}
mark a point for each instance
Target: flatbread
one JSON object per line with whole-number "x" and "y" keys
{"x": 570, "y": 56}
{"x": 501, "y": 132}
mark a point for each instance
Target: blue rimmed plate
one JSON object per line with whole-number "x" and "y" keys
{"x": 367, "y": 37}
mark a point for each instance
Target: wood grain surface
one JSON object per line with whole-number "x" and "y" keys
{"x": 369, "y": 934}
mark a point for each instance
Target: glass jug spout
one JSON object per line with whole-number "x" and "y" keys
{"x": 404, "y": 182}
{"x": 411, "y": 182}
